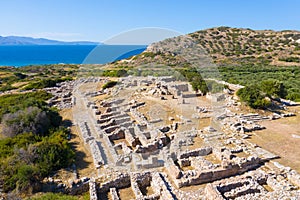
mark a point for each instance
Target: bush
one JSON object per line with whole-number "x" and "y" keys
{"x": 27, "y": 158}
{"x": 294, "y": 96}
{"x": 114, "y": 73}
{"x": 44, "y": 83}
{"x": 253, "y": 97}
{"x": 54, "y": 152}
{"x": 290, "y": 59}
{"x": 109, "y": 84}
{"x": 20, "y": 75}
{"x": 57, "y": 196}
{"x": 25, "y": 178}
{"x": 13, "y": 102}
{"x": 8, "y": 145}
{"x": 31, "y": 119}
{"x": 214, "y": 87}
{"x": 6, "y": 87}
{"x": 272, "y": 87}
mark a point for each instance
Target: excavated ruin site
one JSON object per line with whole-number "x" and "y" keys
{"x": 154, "y": 138}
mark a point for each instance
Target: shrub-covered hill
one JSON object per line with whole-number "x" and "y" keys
{"x": 231, "y": 45}
{"x": 225, "y": 43}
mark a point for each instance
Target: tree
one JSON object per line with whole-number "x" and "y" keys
{"x": 253, "y": 97}
{"x": 273, "y": 88}
{"x": 293, "y": 96}
{"x": 54, "y": 152}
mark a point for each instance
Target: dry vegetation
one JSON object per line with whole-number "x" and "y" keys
{"x": 225, "y": 43}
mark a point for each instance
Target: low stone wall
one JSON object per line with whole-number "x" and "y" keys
{"x": 197, "y": 152}
{"x": 96, "y": 153}
{"x": 116, "y": 135}
{"x": 121, "y": 181}
{"x": 108, "y": 115}
{"x": 198, "y": 176}
{"x": 79, "y": 189}
{"x": 85, "y": 132}
{"x": 111, "y": 149}
{"x": 130, "y": 138}
{"x": 294, "y": 177}
{"x": 173, "y": 170}
{"x": 151, "y": 163}
{"x": 153, "y": 146}
{"x": 159, "y": 184}
{"x": 93, "y": 190}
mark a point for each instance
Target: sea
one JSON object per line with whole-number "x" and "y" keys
{"x": 25, "y": 55}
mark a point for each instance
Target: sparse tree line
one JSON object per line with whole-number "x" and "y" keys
{"x": 263, "y": 81}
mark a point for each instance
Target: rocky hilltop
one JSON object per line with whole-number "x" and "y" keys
{"x": 229, "y": 45}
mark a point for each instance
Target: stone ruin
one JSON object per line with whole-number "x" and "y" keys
{"x": 62, "y": 95}
{"x": 156, "y": 160}
{"x": 255, "y": 185}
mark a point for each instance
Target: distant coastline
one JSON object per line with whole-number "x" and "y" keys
{"x": 20, "y": 40}
{"x": 25, "y": 55}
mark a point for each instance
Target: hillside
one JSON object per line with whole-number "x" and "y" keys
{"x": 226, "y": 43}
{"x": 230, "y": 46}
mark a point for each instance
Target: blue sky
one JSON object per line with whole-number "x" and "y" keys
{"x": 97, "y": 20}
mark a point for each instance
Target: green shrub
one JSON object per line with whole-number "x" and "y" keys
{"x": 109, "y": 84}
{"x": 11, "y": 103}
{"x": 290, "y": 59}
{"x": 54, "y": 152}
{"x": 272, "y": 87}
{"x": 55, "y": 196}
{"x": 253, "y": 97}
{"x": 28, "y": 158}
{"x": 114, "y": 73}
{"x": 20, "y": 75}
{"x": 6, "y": 87}
{"x": 294, "y": 96}
{"x": 44, "y": 83}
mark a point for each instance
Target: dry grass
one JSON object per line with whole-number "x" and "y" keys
{"x": 212, "y": 159}
{"x": 5, "y": 74}
{"x": 277, "y": 138}
{"x": 19, "y": 84}
{"x": 1, "y": 136}
{"x": 198, "y": 143}
{"x": 193, "y": 188}
{"x": 126, "y": 194}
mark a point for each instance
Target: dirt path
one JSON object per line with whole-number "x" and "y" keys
{"x": 83, "y": 159}
{"x": 83, "y": 114}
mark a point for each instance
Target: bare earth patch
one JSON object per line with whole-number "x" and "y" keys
{"x": 278, "y": 137}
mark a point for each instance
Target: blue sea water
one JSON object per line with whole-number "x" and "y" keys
{"x": 25, "y": 55}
